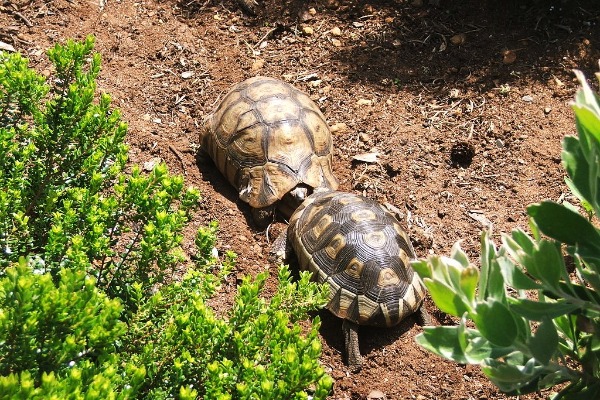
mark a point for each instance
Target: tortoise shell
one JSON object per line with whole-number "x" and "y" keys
{"x": 267, "y": 137}
{"x": 359, "y": 248}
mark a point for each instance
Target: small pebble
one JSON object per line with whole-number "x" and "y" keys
{"x": 509, "y": 57}
{"x": 336, "y": 42}
{"x": 339, "y": 127}
{"x": 308, "y": 30}
{"x": 257, "y": 64}
{"x": 547, "y": 110}
{"x": 364, "y": 102}
{"x": 376, "y": 395}
{"x": 458, "y": 39}
{"x": 527, "y": 98}
{"x": 336, "y": 31}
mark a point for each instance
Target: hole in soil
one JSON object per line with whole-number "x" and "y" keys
{"x": 461, "y": 154}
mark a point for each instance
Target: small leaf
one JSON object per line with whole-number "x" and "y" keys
{"x": 521, "y": 241}
{"x": 564, "y": 225}
{"x": 514, "y": 378}
{"x": 446, "y": 298}
{"x": 491, "y": 283}
{"x": 537, "y": 311}
{"x": 514, "y": 277}
{"x": 468, "y": 282}
{"x": 459, "y": 255}
{"x": 544, "y": 342}
{"x": 443, "y": 341}
{"x": 422, "y": 268}
{"x": 495, "y": 322}
{"x": 367, "y": 157}
{"x": 549, "y": 261}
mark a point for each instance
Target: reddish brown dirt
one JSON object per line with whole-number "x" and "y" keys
{"x": 491, "y": 77}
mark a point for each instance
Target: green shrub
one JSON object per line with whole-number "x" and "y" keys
{"x": 257, "y": 352}
{"x": 527, "y": 320}
{"x": 64, "y": 192}
{"x": 88, "y": 247}
{"x": 60, "y": 340}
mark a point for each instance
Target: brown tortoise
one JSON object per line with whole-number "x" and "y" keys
{"x": 272, "y": 143}
{"x": 359, "y": 248}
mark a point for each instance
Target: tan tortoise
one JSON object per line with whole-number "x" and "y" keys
{"x": 272, "y": 143}
{"x": 359, "y": 249}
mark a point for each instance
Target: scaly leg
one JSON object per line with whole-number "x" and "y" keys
{"x": 423, "y": 316}
{"x": 355, "y": 360}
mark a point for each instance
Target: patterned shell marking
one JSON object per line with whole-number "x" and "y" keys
{"x": 359, "y": 248}
{"x": 267, "y": 137}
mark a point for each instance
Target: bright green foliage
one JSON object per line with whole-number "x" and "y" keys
{"x": 64, "y": 193}
{"x": 259, "y": 352}
{"x": 53, "y": 138}
{"x": 90, "y": 306}
{"x": 525, "y": 344}
{"x": 59, "y": 340}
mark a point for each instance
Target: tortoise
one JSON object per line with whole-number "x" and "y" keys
{"x": 272, "y": 143}
{"x": 360, "y": 250}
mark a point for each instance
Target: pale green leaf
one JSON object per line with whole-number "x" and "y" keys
{"x": 446, "y": 298}
{"x": 491, "y": 315}
{"x": 537, "y": 311}
{"x": 544, "y": 342}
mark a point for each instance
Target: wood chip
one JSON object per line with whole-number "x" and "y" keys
{"x": 367, "y": 157}
{"x": 6, "y": 47}
{"x": 478, "y": 216}
{"x": 364, "y": 102}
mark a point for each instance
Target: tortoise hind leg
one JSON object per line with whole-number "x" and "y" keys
{"x": 354, "y": 358}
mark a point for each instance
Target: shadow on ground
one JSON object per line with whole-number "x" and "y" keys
{"x": 461, "y": 43}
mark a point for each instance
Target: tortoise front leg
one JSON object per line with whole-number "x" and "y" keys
{"x": 263, "y": 216}
{"x": 354, "y": 358}
{"x": 423, "y": 317}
